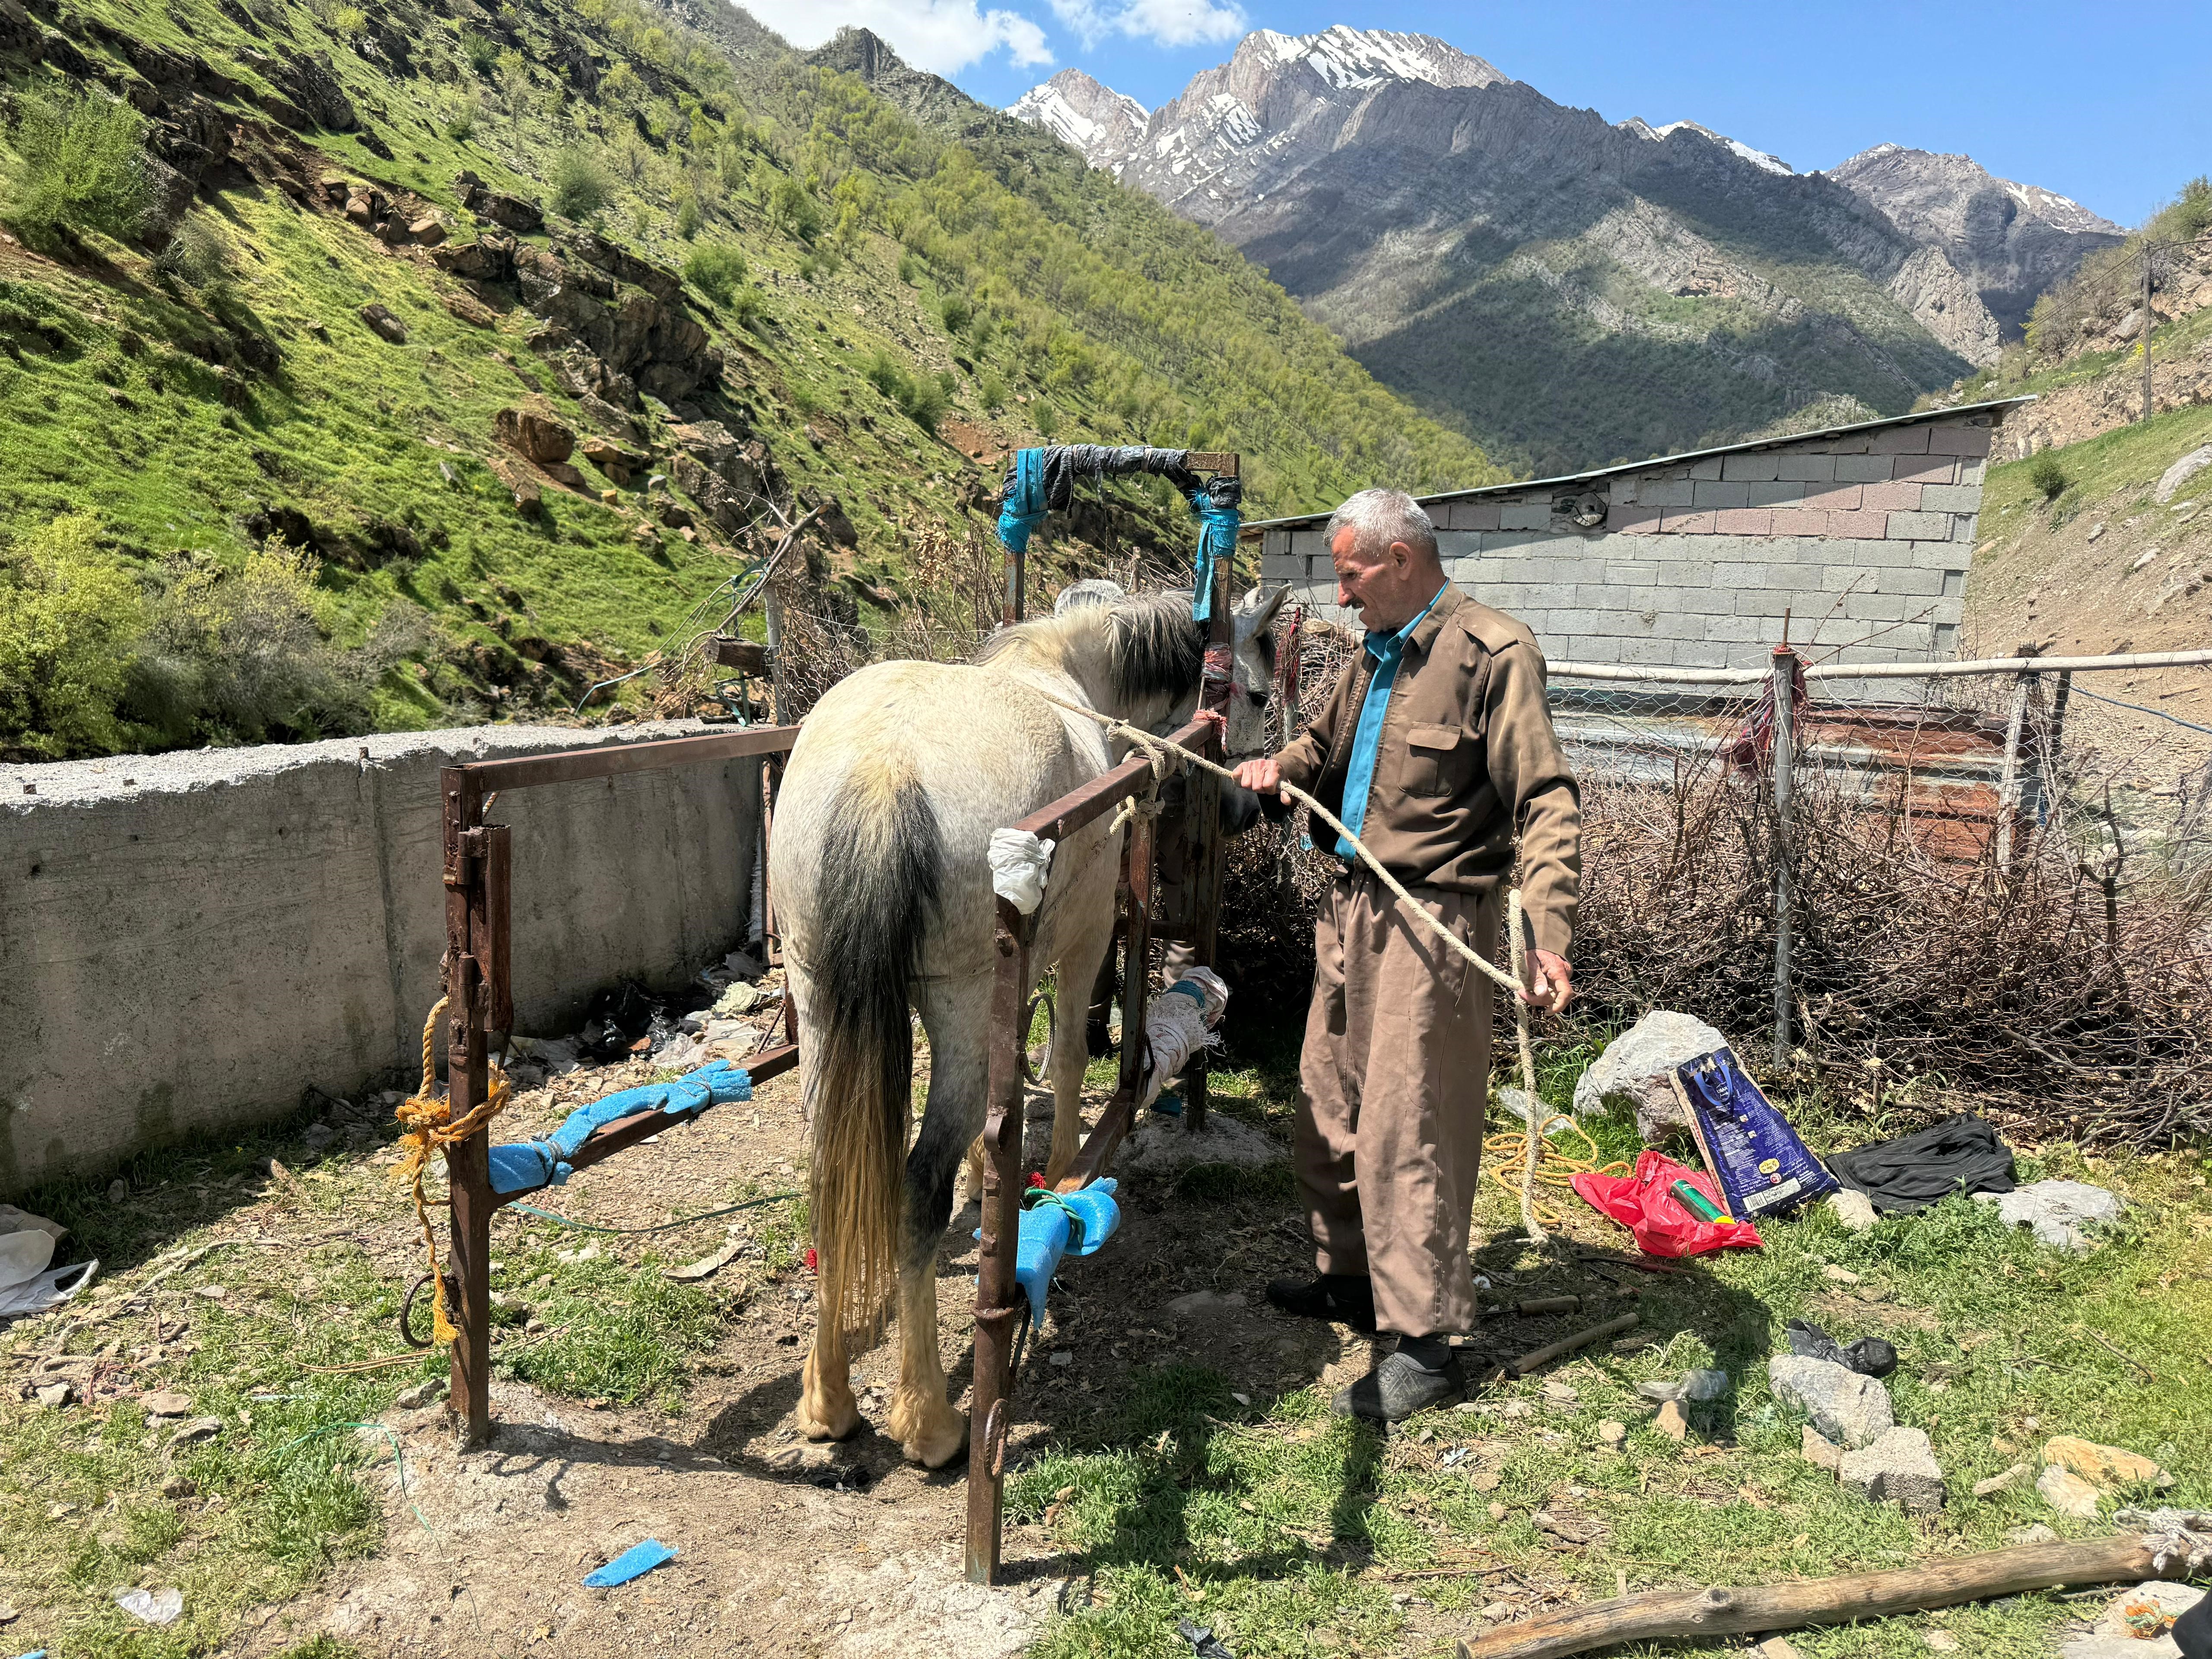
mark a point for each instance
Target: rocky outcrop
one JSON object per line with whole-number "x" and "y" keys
{"x": 535, "y": 437}
{"x": 1101, "y": 123}
{"x": 511, "y": 212}
{"x": 308, "y": 95}
{"x": 1944, "y": 303}
{"x": 2009, "y": 241}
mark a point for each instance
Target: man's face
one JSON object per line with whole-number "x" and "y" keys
{"x": 1387, "y": 586}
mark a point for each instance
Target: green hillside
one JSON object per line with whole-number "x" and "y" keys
{"x": 236, "y": 503}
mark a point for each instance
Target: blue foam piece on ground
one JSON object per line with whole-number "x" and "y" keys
{"x": 633, "y": 1563}
{"x": 521, "y": 1165}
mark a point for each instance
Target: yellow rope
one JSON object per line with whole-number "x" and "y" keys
{"x": 1513, "y": 981}
{"x": 427, "y": 1119}
{"x": 1510, "y": 1167}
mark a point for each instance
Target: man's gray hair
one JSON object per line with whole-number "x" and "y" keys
{"x": 1383, "y": 516}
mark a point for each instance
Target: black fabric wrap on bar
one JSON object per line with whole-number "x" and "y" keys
{"x": 1066, "y": 464}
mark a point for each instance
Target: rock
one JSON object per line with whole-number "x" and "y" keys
{"x": 1611, "y": 1435}
{"x": 1064, "y": 1358}
{"x": 117, "y": 1192}
{"x": 2118, "y": 1647}
{"x": 489, "y": 258}
{"x": 423, "y": 1394}
{"x": 511, "y": 211}
{"x": 1206, "y": 1302}
{"x": 2058, "y": 1211}
{"x": 178, "y": 1485}
{"x": 1637, "y": 1071}
{"x": 1897, "y": 1466}
{"x": 1839, "y": 1275}
{"x": 1817, "y": 1449}
{"x": 1941, "y": 1641}
{"x": 1559, "y": 1393}
{"x": 2103, "y": 1467}
{"x": 1497, "y": 1511}
{"x": 429, "y": 230}
{"x": 619, "y": 463}
{"x": 2005, "y": 1482}
{"x": 2170, "y": 480}
{"x": 1775, "y": 1647}
{"x": 539, "y": 437}
{"x": 2067, "y": 1492}
{"x": 462, "y": 308}
{"x": 383, "y": 325}
{"x": 1703, "y": 1385}
{"x": 1670, "y": 1421}
{"x": 2034, "y": 1533}
{"x": 1498, "y": 1612}
{"x": 55, "y": 1395}
{"x": 1854, "y": 1210}
{"x": 709, "y": 441}
{"x": 199, "y": 1429}
{"x": 1163, "y": 1147}
{"x": 165, "y": 1404}
{"x": 1843, "y": 1404}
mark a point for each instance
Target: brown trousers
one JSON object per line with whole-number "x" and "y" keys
{"x": 1394, "y": 1078}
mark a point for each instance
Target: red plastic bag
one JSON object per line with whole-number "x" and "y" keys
{"x": 1663, "y": 1224}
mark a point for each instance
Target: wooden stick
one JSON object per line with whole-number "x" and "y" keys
{"x": 2125, "y": 1558}
{"x": 1551, "y": 1351}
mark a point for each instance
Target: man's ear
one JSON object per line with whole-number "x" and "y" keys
{"x": 1401, "y": 555}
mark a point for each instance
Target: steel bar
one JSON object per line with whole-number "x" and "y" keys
{"x": 1629, "y": 674}
{"x": 495, "y": 950}
{"x": 626, "y": 1132}
{"x": 574, "y": 765}
{"x": 468, "y": 1067}
{"x": 1209, "y": 861}
{"x": 1098, "y": 1147}
{"x": 999, "y": 1302}
{"x": 1057, "y": 821}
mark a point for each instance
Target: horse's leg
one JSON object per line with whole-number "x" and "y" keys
{"x": 1073, "y": 975}
{"x": 957, "y": 1014}
{"x": 827, "y": 1410}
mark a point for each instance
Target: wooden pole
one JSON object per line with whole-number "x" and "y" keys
{"x": 1017, "y": 585}
{"x": 2008, "y": 778}
{"x": 2148, "y": 318}
{"x": 1784, "y": 756}
{"x": 1551, "y": 1351}
{"x": 2052, "y": 746}
{"x": 2124, "y": 1559}
{"x": 772, "y": 616}
{"x": 469, "y": 1202}
{"x": 999, "y": 1305}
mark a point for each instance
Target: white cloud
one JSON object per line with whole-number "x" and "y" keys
{"x": 1167, "y": 22}
{"x": 941, "y": 36}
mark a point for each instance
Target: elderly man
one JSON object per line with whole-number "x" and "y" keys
{"x": 1437, "y": 748}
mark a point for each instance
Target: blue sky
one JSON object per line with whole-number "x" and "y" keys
{"x": 2085, "y": 101}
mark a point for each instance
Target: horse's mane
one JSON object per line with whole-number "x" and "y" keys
{"x": 1150, "y": 645}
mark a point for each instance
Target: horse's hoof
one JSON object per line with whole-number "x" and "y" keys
{"x": 825, "y": 1422}
{"x": 931, "y": 1438}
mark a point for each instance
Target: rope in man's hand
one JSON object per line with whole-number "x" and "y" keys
{"x": 1515, "y": 981}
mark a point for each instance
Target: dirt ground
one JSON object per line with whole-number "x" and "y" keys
{"x": 784, "y": 1546}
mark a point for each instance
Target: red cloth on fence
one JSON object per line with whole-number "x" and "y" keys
{"x": 1663, "y": 1224}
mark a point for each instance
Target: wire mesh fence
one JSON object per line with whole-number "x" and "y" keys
{"x": 1988, "y": 889}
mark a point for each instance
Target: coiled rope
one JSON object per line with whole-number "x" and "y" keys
{"x": 1533, "y": 1151}
{"x": 427, "y": 1125}
{"x": 1505, "y": 1158}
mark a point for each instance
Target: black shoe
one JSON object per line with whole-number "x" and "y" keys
{"x": 1343, "y": 1298}
{"x": 1399, "y": 1386}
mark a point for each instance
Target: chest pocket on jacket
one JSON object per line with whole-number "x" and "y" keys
{"x": 1434, "y": 758}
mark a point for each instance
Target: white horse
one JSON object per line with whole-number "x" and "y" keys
{"x": 883, "y": 892}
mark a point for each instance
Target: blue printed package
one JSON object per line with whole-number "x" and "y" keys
{"x": 1763, "y": 1169}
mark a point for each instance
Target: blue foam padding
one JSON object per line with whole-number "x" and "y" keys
{"x": 521, "y": 1165}
{"x": 633, "y": 1563}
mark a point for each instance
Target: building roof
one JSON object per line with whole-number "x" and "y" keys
{"x": 1996, "y": 408}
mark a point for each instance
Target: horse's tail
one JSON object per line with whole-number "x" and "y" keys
{"x": 879, "y": 878}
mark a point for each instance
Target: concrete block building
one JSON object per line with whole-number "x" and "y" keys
{"x": 1862, "y": 537}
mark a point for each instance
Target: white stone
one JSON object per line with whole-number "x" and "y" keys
{"x": 1898, "y": 1467}
{"x": 1637, "y": 1071}
{"x": 2058, "y": 1211}
{"x": 1854, "y": 1210}
{"x": 2181, "y": 472}
{"x": 1843, "y": 1404}
{"x": 2011, "y": 1477}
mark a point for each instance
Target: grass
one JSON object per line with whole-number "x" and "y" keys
{"x": 2119, "y": 467}
{"x": 93, "y": 1499}
{"x": 1290, "y": 1532}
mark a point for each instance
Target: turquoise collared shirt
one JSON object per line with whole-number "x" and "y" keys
{"x": 1387, "y": 650}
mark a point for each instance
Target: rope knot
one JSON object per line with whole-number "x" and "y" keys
{"x": 427, "y": 1125}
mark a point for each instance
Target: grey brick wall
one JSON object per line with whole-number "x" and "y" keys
{"x": 1865, "y": 539}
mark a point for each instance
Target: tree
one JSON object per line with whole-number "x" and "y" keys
{"x": 69, "y": 617}
{"x": 80, "y": 165}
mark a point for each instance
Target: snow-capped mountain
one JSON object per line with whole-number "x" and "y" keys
{"x": 1075, "y": 109}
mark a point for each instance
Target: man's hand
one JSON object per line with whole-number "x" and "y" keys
{"x": 1554, "y": 978}
{"x": 1263, "y": 777}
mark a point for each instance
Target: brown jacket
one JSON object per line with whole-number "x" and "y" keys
{"x": 1467, "y": 755}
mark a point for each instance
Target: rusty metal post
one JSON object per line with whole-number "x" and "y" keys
{"x": 1137, "y": 961}
{"x": 1218, "y": 692}
{"x": 469, "y": 932}
{"x": 999, "y": 1303}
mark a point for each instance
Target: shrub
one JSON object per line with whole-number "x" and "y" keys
{"x": 793, "y": 206}
{"x": 581, "y": 186}
{"x": 80, "y": 163}
{"x": 482, "y": 51}
{"x": 955, "y": 311}
{"x": 992, "y": 389}
{"x": 919, "y": 398}
{"x": 69, "y": 616}
{"x": 716, "y": 270}
{"x": 349, "y": 20}
{"x": 691, "y": 218}
{"x": 195, "y": 257}
{"x": 461, "y": 124}
{"x": 2047, "y": 475}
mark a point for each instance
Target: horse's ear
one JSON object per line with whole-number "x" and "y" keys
{"x": 1255, "y": 611}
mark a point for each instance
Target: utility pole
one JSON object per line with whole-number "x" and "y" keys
{"x": 2148, "y": 320}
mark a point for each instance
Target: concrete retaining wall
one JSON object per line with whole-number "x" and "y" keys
{"x": 189, "y": 941}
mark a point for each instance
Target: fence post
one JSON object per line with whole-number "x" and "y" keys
{"x": 2009, "y": 783}
{"x": 999, "y": 1303}
{"x": 2053, "y": 739}
{"x": 468, "y": 1077}
{"x": 772, "y": 614}
{"x": 1785, "y": 687}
